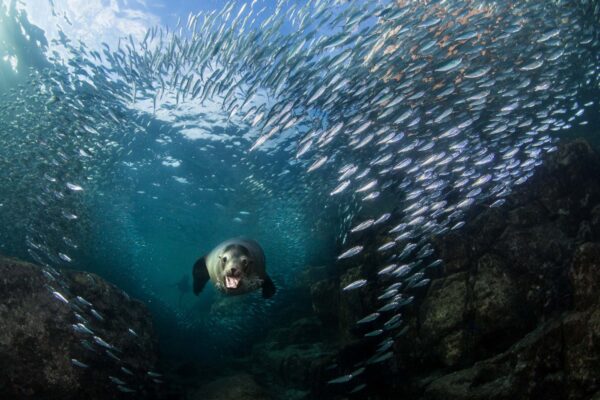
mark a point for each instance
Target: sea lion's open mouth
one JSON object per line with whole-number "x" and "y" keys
{"x": 232, "y": 282}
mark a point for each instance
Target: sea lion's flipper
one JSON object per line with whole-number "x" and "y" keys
{"x": 200, "y": 274}
{"x": 268, "y": 288}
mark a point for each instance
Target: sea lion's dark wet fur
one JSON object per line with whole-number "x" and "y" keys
{"x": 200, "y": 275}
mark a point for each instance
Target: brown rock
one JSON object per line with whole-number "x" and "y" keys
{"x": 527, "y": 370}
{"x": 585, "y": 275}
{"x": 354, "y": 303}
{"x": 503, "y": 320}
{"x": 293, "y": 364}
{"x": 442, "y": 315}
{"x": 38, "y": 342}
{"x": 582, "y": 353}
{"x": 517, "y": 313}
{"x": 235, "y": 387}
{"x": 444, "y": 307}
{"x": 325, "y": 302}
{"x": 494, "y": 303}
{"x": 558, "y": 360}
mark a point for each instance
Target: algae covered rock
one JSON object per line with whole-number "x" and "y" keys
{"x": 531, "y": 307}
{"x": 585, "y": 275}
{"x": 72, "y": 335}
{"x": 558, "y": 360}
{"x": 442, "y": 314}
{"x": 235, "y": 387}
{"x": 325, "y": 302}
{"x": 296, "y": 353}
{"x": 515, "y": 313}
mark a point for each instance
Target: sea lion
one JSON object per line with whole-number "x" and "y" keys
{"x": 236, "y": 266}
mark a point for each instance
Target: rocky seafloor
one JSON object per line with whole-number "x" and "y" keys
{"x": 513, "y": 313}
{"x": 72, "y": 335}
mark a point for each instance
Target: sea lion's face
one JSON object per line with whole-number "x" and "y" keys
{"x": 237, "y": 269}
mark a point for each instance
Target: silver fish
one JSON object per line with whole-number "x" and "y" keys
{"x": 355, "y": 285}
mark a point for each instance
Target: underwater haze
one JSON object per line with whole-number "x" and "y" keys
{"x": 136, "y": 136}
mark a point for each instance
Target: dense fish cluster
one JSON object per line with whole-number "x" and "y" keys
{"x": 45, "y": 167}
{"x": 404, "y": 113}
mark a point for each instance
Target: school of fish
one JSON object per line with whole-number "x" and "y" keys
{"x": 405, "y": 113}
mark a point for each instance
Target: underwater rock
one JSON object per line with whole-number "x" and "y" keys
{"x": 354, "y": 302}
{"x": 515, "y": 313}
{"x": 525, "y": 324}
{"x": 585, "y": 275}
{"x": 493, "y": 295}
{"x": 45, "y": 354}
{"x": 325, "y": 302}
{"x": 442, "y": 314}
{"x": 302, "y": 331}
{"x": 236, "y": 387}
{"x": 558, "y": 360}
{"x": 296, "y": 353}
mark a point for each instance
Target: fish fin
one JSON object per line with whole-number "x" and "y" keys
{"x": 268, "y": 288}
{"x": 200, "y": 274}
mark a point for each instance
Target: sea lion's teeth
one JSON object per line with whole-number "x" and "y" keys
{"x": 232, "y": 282}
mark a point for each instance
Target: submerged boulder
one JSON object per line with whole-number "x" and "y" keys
{"x": 515, "y": 312}
{"x": 557, "y": 360}
{"x": 514, "y": 316}
{"x": 72, "y": 335}
{"x": 293, "y": 356}
{"x": 529, "y": 311}
{"x": 235, "y": 387}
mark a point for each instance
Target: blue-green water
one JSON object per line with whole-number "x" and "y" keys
{"x": 291, "y": 123}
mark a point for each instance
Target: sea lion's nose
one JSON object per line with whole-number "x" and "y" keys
{"x": 234, "y": 271}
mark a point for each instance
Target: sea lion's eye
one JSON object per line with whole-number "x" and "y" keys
{"x": 224, "y": 260}
{"x": 245, "y": 262}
